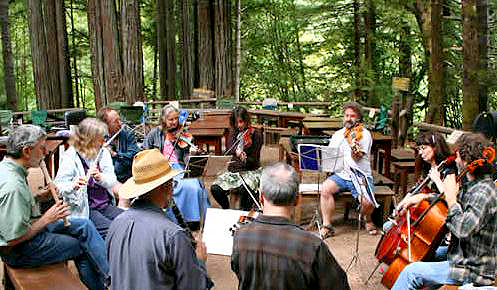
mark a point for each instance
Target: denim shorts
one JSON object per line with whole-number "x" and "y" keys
{"x": 347, "y": 185}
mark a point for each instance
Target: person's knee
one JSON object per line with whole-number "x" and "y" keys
{"x": 329, "y": 189}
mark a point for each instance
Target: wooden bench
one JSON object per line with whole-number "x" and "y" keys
{"x": 56, "y": 276}
{"x": 309, "y": 202}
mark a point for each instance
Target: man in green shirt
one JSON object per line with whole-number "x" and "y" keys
{"x": 29, "y": 241}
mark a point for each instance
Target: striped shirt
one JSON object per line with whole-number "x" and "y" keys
{"x": 473, "y": 224}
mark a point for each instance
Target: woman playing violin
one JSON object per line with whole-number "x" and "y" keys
{"x": 245, "y": 145}
{"x": 433, "y": 149}
{"x": 472, "y": 222}
{"x": 188, "y": 194}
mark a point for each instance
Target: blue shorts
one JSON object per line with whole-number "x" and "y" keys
{"x": 347, "y": 185}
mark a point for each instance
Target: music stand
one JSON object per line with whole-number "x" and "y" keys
{"x": 319, "y": 158}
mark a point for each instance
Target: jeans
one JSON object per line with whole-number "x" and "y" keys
{"x": 79, "y": 241}
{"x": 426, "y": 274}
{"x": 102, "y": 218}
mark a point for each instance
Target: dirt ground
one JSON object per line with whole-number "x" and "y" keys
{"x": 343, "y": 246}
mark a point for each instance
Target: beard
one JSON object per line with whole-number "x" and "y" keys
{"x": 349, "y": 124}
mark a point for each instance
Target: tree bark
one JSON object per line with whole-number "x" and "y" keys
{"x": 223, "y": 48}
{"x": 436, "y": 113}
{"x": 49, "y": 53}
{"x": 206, "y": 44}
{"x": 186, "y": 49}
{"x": 75, "y": 63}
{"x": 238, "y": 49}
{"x": 471, "y": 63}
{"x": 482, "y": 15}
{"x": 107, "y": 68}
{"x": 132, "y": 51}
{"x": 369, "y": 48}
{"x": 8, "y": 62}
{"x": 166, "y": 32}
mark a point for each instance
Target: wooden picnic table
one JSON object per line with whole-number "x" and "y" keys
{"x": 282, "y": 118}
{"x": 208, "y": 137}
{"x": 318, "y": 127}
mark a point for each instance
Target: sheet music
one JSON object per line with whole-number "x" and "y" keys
{"x": 217, "y": 235}
{"x": 361, "y": 184}
{"x": 320, "y": 158}
{"x": 216, "y": 165}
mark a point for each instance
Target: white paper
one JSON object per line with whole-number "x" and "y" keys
{"x": 308, "y": 187}
{"x": 217, "y": 236}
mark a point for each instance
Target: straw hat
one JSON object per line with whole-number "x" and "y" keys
{"x": 150, "y": 169}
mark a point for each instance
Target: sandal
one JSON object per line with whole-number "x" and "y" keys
{"x": 371, "y": 229}
{"x": 327, "y": 231}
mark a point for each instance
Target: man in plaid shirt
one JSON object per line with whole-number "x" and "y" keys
{"x": 472, "y": 221}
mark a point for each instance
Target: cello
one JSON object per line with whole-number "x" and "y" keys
{"x": 424, "y": 227}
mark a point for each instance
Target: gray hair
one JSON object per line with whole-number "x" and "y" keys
{"x": 166, "y": 110}
{"x": 24, "y": 136}
{"x": 280, "y": 184}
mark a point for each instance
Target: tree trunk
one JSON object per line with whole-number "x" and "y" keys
{"x": 357, "y": 51}
{"x": 8, "y": 62}
{"x": 49, "y": 53}
{"x": 405, "y": 69}
{"x": 436, "y": 113}
{"x": 238, "y": 49}
{"x": 186, "y": 49}
{"x": 75, "y": 63}
{"x": 132, "y": 51}
{"x": 107, "y": 69}
{"x": 206, "y": 44}
{"x": 471, "y": 63}
{"x": 166, "y": 32}
{"x": 223, "y": 48}
{"x": 369, "y": 48}
{"x": 482, "y": 15}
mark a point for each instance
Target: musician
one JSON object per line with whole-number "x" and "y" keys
{"x": 145, "y": 249}
{"x": 93, "y": 198}
{"x": 433, "y": 149}
{"x": 189, "y": 194}
{"x": 124, "y": 147}
{"x": 354, "y": 144}
{"x": 245, "y": 144}
{"x": 28, "y": 240}
{"x": 272, "y": 252}
{"x": 472, "y": 222}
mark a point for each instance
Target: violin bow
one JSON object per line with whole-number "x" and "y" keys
{"x": 236, "y": 142}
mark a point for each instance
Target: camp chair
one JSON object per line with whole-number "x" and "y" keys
{"x": 5, "y": 122}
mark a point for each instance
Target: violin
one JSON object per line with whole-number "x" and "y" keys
{"x": 182, "y": 138}
{"x": 243, "y": 220}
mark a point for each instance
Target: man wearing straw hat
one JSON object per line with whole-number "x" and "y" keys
{"x": 145, "y": 249}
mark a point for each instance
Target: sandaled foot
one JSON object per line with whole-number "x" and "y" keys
{"x": 371, "y": 229}
{"x": 327, "y": 231}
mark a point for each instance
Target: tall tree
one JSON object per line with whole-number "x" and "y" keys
{"x": 223, "y": 49}
{"x": 205, "y": 44}
{"x": 471, "y": 57}
{"x": 8, "y": 63}
{"x": 166, "y": 33}
{"x": 132, "y": 54}
{"x": 369, "y": 50}
{"x": 49, "y": 51}
{"x": 482, "y": 15}
{"x": 357, "y": 51}
{"x": 436, "y": 110}
{"x": 105, "y": 52}
{"x": 187, "y": 72}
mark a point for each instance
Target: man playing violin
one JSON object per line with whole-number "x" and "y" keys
{"x": 189, "y": 194}
{"x": 471, "y": 220}
{"x": 272, "y": 252}
{"x": 354, "y": 143}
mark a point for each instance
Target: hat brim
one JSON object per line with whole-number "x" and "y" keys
{"x": 131, "y": 189}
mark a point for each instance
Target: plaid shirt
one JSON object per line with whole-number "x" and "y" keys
{"x": 272, "y": 253}
{"x": 473, "y": 224}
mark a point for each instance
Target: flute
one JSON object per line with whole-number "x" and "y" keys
{"x": 181, "y": 222}
{"x": 52, "y": 188}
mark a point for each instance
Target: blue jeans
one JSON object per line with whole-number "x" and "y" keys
{"x": 102, "y": 218}
{"x": 426, "y": 274}
{"x": 80, "y": 241}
